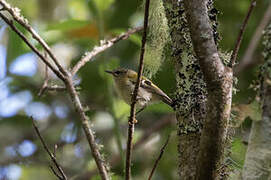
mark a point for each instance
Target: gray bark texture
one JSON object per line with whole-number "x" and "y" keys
{"x": 191, "y": 93}
{"x": 218, "y": 78}
{"x": 258, "y": 157}
{"x": 190, "y": 96}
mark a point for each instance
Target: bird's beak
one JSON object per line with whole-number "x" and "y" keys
{"x": 110, "y": 72}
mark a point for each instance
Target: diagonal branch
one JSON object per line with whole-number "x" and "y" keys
{"x": 53, "y": 158}
{"x": 241, "y": 33}
{"x": 135, "y": 92}
{"x": 159, "y": 157}
{"x": 15, "y": 13}
{"x": 55, "y": 173}
{"x": 87, "y": 130}
{"x": 248, "y": 59}
{"x": 67, "y": 79}
{"x": 33, "y": 48}
{"x": 104, "y": 46}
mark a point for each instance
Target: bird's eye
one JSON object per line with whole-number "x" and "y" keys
{"x": 147, "y": 82}
{"x": 117, "y": 72}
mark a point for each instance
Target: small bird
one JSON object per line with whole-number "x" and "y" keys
{"x": 148, "y": 92}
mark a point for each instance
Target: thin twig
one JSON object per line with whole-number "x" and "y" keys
{"x": 164, "y": 122}
{"x": 45, "y": 83}
{"x": 168, "y": 120}
{"x": 104, "y": 46}
{"x": 133, "y": 99}
{"x": 60, "y": 88}
{"x": 241, "y": 33}
{"x": 33, "y": 48}
{"x": 53, "y": 158}
{"x": 15, "y": 12}
{"x": 76, "y": 101}
{"x": 67, "y": 79}
{"x": 159, "y": 157}
{"x": 248, "y": 59}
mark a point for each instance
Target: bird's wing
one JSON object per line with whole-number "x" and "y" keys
{"x": 149, "y": 86}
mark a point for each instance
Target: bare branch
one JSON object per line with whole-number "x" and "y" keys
{"x": 33, "y": 48}
{"x": 71, "y": 89}
{"x": 55, "y": 173}
{"x": 15, "y": 13}
{"x": 88, "y": 132}
{"x": 135, "y": 92}
{"x": 248, "y": 59}
{"x": 159, "y": 157}
{"x": 104, "y": 46}
{"x": 241, "y": 33}
{"x": 65, "y": 77}
{"x": 53, "y": 158}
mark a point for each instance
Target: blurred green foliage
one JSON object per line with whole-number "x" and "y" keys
{"x": 76, "y": 26}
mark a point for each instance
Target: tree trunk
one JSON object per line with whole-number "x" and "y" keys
{"x": 218, "y": 78}
{"x": 200, "y": 75}
{"x": 190, "y": 94}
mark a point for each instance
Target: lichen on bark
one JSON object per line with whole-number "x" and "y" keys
{"x": 190, "y": 95}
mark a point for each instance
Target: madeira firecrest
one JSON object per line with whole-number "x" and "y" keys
{"x": 148, "y": 93}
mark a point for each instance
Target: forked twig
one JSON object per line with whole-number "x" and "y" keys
{"x": 15, "y": 12}
{"x": 67, "y": 79}
{"x": 241, "y": 33}
{"x": 159, "y": 157}
{"x": 33, "y": 48}
{"x": 133, "y": 99}
{"x": 63, "y": 75}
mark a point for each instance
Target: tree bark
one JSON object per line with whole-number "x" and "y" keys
{"x": 218, "y": 79}
{"x": 190, "y": 96}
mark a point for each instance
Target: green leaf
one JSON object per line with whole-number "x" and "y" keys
{"x": 121, "y": 109}
{"x": 93, "y": 8}
{"x": 67, "y": 25}
{"x": 135, "y": 38}
{"x": 238, "y": 152}
{"x": 103, "y": 5}
{"x": 159, "y": 108}
{"x": 16, "y": 46}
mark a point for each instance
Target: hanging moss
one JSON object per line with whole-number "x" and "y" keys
{"x": 158, "y": 36}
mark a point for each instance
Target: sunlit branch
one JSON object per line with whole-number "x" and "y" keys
{"x": 105, "y": 44}
{"x": 15, "y": 13}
